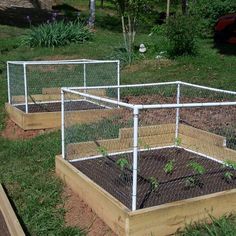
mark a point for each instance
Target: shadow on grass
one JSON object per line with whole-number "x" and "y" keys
{"x": 25, "y": 17}
{"x": 225, "y": 48}
{"x": 16, "y": 213}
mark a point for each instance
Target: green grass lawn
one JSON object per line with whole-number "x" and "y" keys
{"x": 27, "y": 167}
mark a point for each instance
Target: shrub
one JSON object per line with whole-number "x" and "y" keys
{"x": 57, "y": 34}
{"x": 182, "y": 32}
{"x": 209, "y": 11}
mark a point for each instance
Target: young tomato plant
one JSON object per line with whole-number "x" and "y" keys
{"x": 169, "y": 167}
{"x": 228, "y": 175}
{"x": 122, "y": 163}
{"x": 195, "y": 180}
{"x": 154, "y": 183}
{"x": 102, "y": 150}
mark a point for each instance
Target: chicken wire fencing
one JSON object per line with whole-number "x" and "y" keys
{"x": 160, "y": 143}
{"x": 34, "y": 86}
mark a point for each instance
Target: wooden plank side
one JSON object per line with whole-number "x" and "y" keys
{"x": 150, "y": 130}
{"x": 97, "y": 92}
{"x": 85, "y": 149}
{"x": 48, "y": 120}
{"x": 106, "y": 207}
{"x": 217, "y": 152}
{"x": 11, "y": 220}
{"x": 168, "y": 218}
{"x": 201, "y": 135}
{"x": 15, "y": 115}
{"x": 42, "y": 120}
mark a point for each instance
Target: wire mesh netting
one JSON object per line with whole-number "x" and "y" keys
{"x": 184, "y": 138}
{"x": 41, "y": 93}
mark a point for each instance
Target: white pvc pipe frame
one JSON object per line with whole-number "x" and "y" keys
{"x": 58, "y": 62}
{"x": 136, "y": 109}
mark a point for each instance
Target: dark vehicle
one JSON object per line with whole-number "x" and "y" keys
{"x": 225, "y": 29}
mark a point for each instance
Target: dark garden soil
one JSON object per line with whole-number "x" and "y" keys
{"x": 3, "y": 227}
{"x": 56, "y": 106}
{"x": 171, "y": 187}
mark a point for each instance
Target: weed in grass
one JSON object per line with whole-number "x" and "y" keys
{"x": 223, "y": 226}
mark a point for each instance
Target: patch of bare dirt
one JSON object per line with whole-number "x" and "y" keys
{"x": 79, "y": 214}
{"x": 14, "y": 132}
{"x": 156, "y": 64}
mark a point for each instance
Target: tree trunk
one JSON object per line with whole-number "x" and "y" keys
{"x": 92, "y": 14}
{"x": 102, "y": 3}
{"x": 185, "y": 7}
{"x": 124, "y": 32}
{"x": 167, "y": 10}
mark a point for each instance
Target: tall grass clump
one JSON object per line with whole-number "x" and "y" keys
{"x": 57, "y": 33}
{"x": 223, "y": 226}
{"x": 182, "y": 33}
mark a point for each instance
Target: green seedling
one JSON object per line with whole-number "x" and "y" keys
{"x": 169, "y": 167}
{"x": 199, "y": 170}
{"x": 230, "y": 164}
{"x": 190, "y": 182}
{"x": 102, "y": 151}
{"x": 154, "y": 183}
{"x": 228, "y": 176}
{"x": 146, "y": 146}
{"x": 122, "y": 163}
{"x": 178, "y": 141}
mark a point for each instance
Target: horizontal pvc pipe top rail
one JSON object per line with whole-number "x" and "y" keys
{"x": 186, "y": 105}
{"x": 124, "y": 86}
{"x": 99, "y": 98}
{"x": 159, "y": 84}
{"x": 208, "y": 88}
{"x": 63, "y": 62}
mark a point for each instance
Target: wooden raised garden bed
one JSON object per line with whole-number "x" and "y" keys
{"x": 48, "y": 114}
{"x": 9, "y": 224}
{"x": 173, "y": 204}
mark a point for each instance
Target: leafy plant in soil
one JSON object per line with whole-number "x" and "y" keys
{"x": 228, "y": 175}
{"x": 154, "y": 183}
{"x": 178, "y": 141}
{"x": 123, "y": 163}
{"x": 169, "y": 167}
{"x": 102, "y": 150}
{"x": 195, "y": 180}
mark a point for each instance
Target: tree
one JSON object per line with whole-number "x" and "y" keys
{"x": 130, "y": 11}
{"x": 185, "y": 7}
{"x": 91, "y": 21}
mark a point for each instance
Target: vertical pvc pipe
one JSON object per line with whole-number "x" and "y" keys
{"x": 62, "y": 125}
{"x": 8, "y": 84}
{"x": 177, "y": 115}
{"x": 135, "y": 159}
{"x": 118, "y": 80}
{"x": 85, "y": 80}
{"x": 26, "y": 90}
